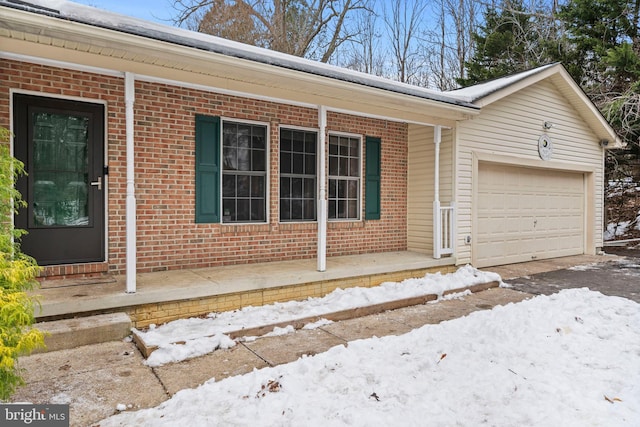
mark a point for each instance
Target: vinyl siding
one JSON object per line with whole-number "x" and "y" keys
{"x": 421, "y": 184}
{"x": 511, "y": 127}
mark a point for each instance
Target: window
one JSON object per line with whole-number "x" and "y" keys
{"x": 244, "y": 172}
{"x": 344, "y": 177}
{"x": 297, "y": 175}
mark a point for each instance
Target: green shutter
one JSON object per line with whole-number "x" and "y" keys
{"x": 207, "y": 169}
{"x": 372, "y": 178}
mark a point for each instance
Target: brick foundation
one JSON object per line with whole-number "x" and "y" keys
{"x": 144, "y": 315}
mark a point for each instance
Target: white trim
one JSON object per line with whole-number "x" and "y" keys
{"x": 150, "y": 79}
{"x": 131, "y": 225}
{"x": 437, "y": 139}
{"x": 323, "y": 214}
{"x": 380, "y": 117}
{"x": 57, "y": 96}
{"x": 105, "y": 179}
{"x": 360, "y": 138}
{"x": 437, "y": 217}
{"x": 247, "y": 121}
{"x": 346, "y": 134}
{"x": 221, "y": 91}
{"x": 61, "y": 64}
{"x": 267, "y": 170}
{"x": 529, "y": 162}
{"x": 302, "y": 129}
{"x": 204, "y": 88}
{"x": 292, "y": 127}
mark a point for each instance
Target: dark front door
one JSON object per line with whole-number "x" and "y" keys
{"x": 61, "y": 143}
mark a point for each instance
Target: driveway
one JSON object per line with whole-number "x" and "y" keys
{"x": 619, "y": 276}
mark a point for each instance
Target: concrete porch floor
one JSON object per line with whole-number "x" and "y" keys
{"x": 69, "y": 299}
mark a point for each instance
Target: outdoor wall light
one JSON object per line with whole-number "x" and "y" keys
{"x": 547, "y": 125}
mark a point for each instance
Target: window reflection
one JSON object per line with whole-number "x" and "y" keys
{"x": 244, "y": 172}
{"x": 60, "y": 170}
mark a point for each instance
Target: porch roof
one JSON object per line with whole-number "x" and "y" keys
{"x": 65, "y": 31}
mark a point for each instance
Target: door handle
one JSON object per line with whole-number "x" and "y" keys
{"x": 97, "y": 183}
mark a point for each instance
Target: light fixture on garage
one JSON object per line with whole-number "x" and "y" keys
{"x": 547, "y": 125}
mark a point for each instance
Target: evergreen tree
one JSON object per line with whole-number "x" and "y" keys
{"x": 512, "y": 39}
{"x": 605, "y": 59}
{"x": 598, "y": 31}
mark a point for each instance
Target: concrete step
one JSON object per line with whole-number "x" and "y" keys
{"x": 335, "y": 316}
{"x": 72, "y": 333}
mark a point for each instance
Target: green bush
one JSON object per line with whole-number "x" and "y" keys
{"x": 18, "y": 274}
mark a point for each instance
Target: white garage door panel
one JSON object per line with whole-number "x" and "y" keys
{"x": 526, "y": 214}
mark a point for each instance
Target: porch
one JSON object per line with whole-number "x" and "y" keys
{"x": 168, "y": 295}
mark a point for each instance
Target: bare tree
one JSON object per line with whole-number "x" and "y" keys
{"x": 307, "y": 28}
{"x": 449, "y": 43}
{"x": 403, "y": 20}
{"x": 230, "y": 21}
{"x": 366, "y": 51}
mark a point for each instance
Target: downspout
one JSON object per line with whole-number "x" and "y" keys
{"x": 131, "y": 268}
{"x": 437, "y": 226}
{"x": 322, "y": 190}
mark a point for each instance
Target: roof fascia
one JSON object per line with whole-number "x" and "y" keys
{"x": 560, "y": 76}
{"x": 50, "y": 31}
{"x": 516, "y": 86}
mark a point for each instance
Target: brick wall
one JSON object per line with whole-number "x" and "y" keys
{"x": 168, "y": 237}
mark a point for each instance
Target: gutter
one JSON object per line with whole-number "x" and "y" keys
{"x": 115, "y": 22}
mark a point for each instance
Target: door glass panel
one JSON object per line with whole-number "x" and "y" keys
{"x": 60, "y": 170}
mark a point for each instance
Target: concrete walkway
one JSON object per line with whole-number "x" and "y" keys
{"x": 94, "y": 379}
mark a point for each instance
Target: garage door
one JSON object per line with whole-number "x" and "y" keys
{"x": 525, "y": 214}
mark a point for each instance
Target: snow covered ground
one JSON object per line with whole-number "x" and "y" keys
{"x": 570, "y": 359}
{"x": 201, "y": 336}
{"x": 616, "y": 229}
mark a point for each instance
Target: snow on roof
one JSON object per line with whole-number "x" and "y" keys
{"x": 75, "y": 12}
{"x": 473, "y": 93}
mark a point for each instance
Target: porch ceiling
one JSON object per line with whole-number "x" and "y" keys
{"x": 39, "y": 36}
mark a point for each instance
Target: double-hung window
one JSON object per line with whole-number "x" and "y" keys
{"x": 298, "y": 180}
{"x": 232, "y": 165}
{"x": 344, "y": 177}
{"x": 244, "y": 172}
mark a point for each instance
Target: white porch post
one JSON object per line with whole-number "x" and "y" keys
{"x": 322, "y": 190}
{"x": 131, "y": 267}
{"x": 437, "y": 225}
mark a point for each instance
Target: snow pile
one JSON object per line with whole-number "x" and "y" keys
{"x": 585, "y": 267}
{"x": 615, "y": 229}
{"x": 189, "y": 349}
{"x": 201, "y": 336}
{"x": 570, "y": 359}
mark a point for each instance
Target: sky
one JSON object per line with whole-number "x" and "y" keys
{"x": 570, "y": 359}
{"x": 160, "y": 11}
